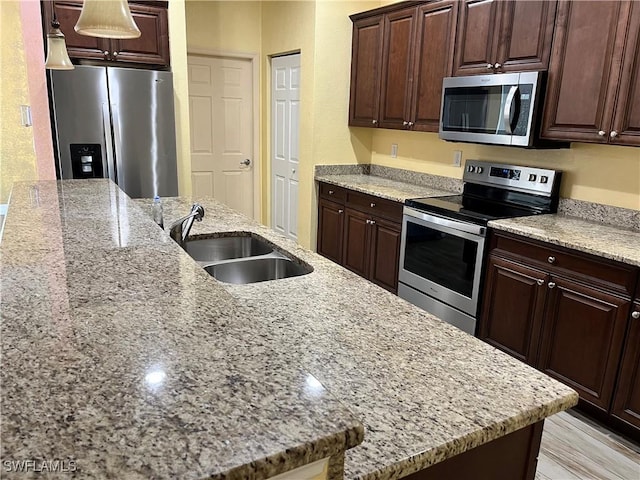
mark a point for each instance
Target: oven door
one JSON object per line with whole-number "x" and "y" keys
{"x": 442, "y": 258}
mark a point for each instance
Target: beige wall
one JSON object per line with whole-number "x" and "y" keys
{"x": 594, "y": 173}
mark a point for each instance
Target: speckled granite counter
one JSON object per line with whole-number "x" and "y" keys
{"x": 122, "y": 354}
{"x": 390, "y": 183}
{"x": 608, "y": 241}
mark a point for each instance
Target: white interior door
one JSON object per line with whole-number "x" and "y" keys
{"x": 221, "y": 118}
{"x": 285, "y": 119}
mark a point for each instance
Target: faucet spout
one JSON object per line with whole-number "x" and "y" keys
{"x": 180, "y": 229}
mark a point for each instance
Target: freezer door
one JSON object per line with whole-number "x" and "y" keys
{"x": 81, "y": 112}
{"x": 143, "y": 131}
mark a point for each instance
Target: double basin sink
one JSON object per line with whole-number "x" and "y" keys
{"x": 242, "y": 258}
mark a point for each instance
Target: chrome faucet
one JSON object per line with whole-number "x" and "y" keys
{"x": 179, "y": 229}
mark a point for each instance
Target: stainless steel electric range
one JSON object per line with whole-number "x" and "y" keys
{"x": 443, "y": 238}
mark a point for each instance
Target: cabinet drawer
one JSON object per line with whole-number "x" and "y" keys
{"x": 579, "y": 266}
{"x": 333, "y": 193}
{"x": 376, "y": 206}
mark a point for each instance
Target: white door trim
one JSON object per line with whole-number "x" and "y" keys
{"x": 257, "y": 154}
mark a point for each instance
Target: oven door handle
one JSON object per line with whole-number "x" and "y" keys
{"x": 445, "y": 222}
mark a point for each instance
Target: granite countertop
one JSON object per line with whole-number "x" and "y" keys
{"x": 396, "y": 190}
{"x": 120, "y": 353}
{"x": 608, "y": 241}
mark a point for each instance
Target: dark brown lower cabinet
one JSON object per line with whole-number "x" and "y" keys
{"x": 626, "y": 401}
{"x": 569, "y": 315}
{"x": 330, "y": 229}
{"x": 582, "y": 339}
{"x": 513, "y": 308}
{"x": 360, "y": 232}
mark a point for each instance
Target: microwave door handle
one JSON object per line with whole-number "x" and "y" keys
{"x": 506, "y": 115}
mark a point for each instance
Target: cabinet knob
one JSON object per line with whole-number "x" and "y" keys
{"x": 115, "y": 54}
{"x": 602, "y": 133}
{"x": 497, "y": 65}
{"x": 374, "y": 121}
{"x": 331, "y": 192}
{"x": 340, "y": 211}
{"x": 410, "y": 124}
{"x": 372, "y": 222}
{"x": 540, "y": 282}
{"x": 368, "y": 221}
{"x": 551, "y": 284}
{"x": 551, "y": 259}
{"x": 373, "y": 204}
{"x": 613, "y": 134}
{"x": 106, "y": 54}
{"x": 405, "y": 123}
{"x": 489, "y": 66}
{"x": 636, "y": 314}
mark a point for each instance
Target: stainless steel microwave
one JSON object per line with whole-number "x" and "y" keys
{"x": 499, "y": 109}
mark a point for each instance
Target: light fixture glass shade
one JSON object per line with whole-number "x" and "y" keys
{"x": 57, "y": 56}
{"x": 107, "y": 19}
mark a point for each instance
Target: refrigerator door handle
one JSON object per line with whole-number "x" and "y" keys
{"x": 108, "y": 142}
{"x": 115, "y": 119}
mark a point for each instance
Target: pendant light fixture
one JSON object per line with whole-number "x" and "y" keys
{"x": 107, "y": 19}
{"x": 57, "y": 56}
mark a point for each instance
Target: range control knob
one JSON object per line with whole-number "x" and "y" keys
{"x": 479, "y": 170}
{"x": 532, "y": 177}
{"x": 471, "y": 168}
{"x": 544, "y": 179}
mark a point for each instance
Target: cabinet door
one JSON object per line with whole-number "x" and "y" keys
{"x": 584, "y": 70}
{"x": 477, "y": 37}
{"x": 433, "y": 60}
{"x": 512, "y": 308}
{"x": 397, "y": 68}
{"x": 582, "y": 339}
{"x": 626, "y": 121}
{"x": 626, "y": 403}
{"x": 330, "y": 230}
{"x": 356, "y": 242}
{"x": 78, "y": 46}
{"x": 366, "y": 64}
{"x": 385, "y": 253}
{"x": 525, "y": 35}
{"x": 152, "y": 47}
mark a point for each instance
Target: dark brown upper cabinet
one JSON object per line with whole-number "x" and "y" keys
{"x": 593, "y": 92}
{"x": 151, "y": 48}
{"x": 499, "y": 36}
{"x": 399, "y": 59}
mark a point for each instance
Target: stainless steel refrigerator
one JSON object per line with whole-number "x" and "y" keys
{"x": 117, "y": 123}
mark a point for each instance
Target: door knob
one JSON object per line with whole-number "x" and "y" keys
{"x": 636, "y": 314}
{"x": 246, "y": 162}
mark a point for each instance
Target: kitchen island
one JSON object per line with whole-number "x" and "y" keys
{"x": 120, "y": 353}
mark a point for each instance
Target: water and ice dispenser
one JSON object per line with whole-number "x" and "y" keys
{"x": 86, "y": 160}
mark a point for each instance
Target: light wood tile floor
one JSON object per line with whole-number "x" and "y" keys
{"x": 576, "y": 448}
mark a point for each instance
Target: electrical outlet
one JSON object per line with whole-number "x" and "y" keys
{"x": 457, "y": 158}
{"x": 394, "y": 150}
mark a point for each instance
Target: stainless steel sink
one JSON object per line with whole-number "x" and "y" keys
{"x": 257, "y": 270}
{"x": 225, "y": 248}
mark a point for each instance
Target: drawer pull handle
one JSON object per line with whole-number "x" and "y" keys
{"x": 552, "y": 284}
{"x": 636, "y": 315}
{"x": 551, "y": 259}
{"x": 373, "y": 204}
{"x": 540, "y": 282}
